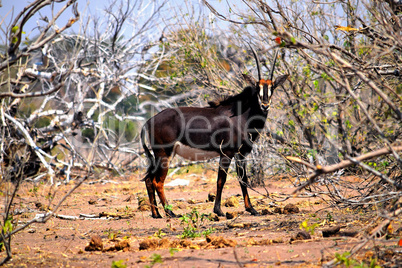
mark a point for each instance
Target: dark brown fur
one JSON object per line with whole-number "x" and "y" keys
{"x": 229, "y": 128}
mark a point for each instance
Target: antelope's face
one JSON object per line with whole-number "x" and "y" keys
{"x": 265, "y": 93}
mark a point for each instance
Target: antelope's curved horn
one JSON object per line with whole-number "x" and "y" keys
{"x": 257, "y": 61}
{"x": 271, "y": 75}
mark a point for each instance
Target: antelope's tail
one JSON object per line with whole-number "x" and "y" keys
{"x": 151, "y": 158}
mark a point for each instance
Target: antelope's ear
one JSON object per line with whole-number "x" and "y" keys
{"x": 250, "y": 80}
{"x": 280, "y": 80}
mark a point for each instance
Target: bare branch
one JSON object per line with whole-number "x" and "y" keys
{"x": 319, "y": 170}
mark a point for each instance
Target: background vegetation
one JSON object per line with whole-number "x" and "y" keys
{"x": 73, "y": 101}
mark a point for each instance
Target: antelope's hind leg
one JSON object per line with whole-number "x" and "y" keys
{"x": 152, "y": 198}
{"x": 159, "y": 181}
{"x": 243, "y": 180}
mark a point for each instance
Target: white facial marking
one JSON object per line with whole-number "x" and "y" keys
{"x": 261, "y": 91}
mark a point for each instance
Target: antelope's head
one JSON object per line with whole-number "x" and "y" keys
{"x": 265, "y": 88}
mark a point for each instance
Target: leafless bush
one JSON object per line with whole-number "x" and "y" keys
{"x": 70, "y": 103}
{"x": 340, "y": 114}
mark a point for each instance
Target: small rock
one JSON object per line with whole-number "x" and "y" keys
{"x": 262, "y": 242}
{"x": 185, "y": 243}
{"x": 41, "y": 206}
{"x": 143, "y": 204}
{"x": 266, "y": 212}
{"x": 302, "y": 235}
{"x": 95, "y": 244}
{"x": 230, "y": 215}
{"x": 211, "y": 197}
{"x": 277, "y": 240}
{"x": 93, "y": 201}
{"x": 122, "y": 245}
{"x": 232, "y": 202}
{"x": 328, "y": 232}
{"x": 214, "y": 217}
{"x": 148, "y": 244}
{"x": 164, "y": 243}
{"x": 220, "y": 242}
{"x": 290, "y": 209}
{"x": 278, "y": 210}
{"x": 191, "y": 201}
{"x": 236, "y": 225}
{"x": 350, "y": 233}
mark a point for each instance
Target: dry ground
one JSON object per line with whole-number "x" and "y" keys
{"x": 125, "y": 233}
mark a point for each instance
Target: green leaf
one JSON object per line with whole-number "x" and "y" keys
{"x": 316, "y": 85}
{"x": 118, "y": 264}
{"x": 168, "y": 207}
{"x": 291, "y": 123}
{"x": 15, "y": 29}
{"x": 306, "y": 70}
{"x": 156, "y": 258}
{"x": 8, "y": 226}
{"x": 172, "y": 251}
{"x": 348, "y": 124}
{"x": 293, "y": 40}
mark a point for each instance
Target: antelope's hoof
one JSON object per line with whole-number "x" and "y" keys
{"x": 170, "y": 214}
{"x": 253, "y": 211}
{"x": 158, "y": 216}
{"x": 219, "y": 213}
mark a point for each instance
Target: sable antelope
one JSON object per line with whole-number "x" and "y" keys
{"x": 226, "y": 129}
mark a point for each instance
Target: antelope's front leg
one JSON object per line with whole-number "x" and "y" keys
{"x": 241, "y": 172}
{"x": 224, "y": 164}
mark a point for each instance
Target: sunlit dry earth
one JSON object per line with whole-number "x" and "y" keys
{"x": 124, "y": 234}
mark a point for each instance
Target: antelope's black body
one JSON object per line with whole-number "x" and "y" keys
{"x": 226, "y": 129}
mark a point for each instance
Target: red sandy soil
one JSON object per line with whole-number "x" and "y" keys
{"x": 245, "y": 241}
